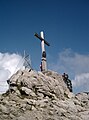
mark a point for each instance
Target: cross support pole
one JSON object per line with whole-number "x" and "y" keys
{"x": 43, "y": 42}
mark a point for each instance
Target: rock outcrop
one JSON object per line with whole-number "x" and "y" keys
{"x": 42, "y": 96}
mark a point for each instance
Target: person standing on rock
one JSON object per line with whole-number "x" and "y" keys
{"x": 67, "y": 81}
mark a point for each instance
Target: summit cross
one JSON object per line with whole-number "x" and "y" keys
{"x": 43, "y": 42}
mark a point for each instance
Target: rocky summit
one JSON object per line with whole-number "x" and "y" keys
{"x": 42, "y": 96}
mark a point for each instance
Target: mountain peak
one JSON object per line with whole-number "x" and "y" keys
{"x": 39, "y": 95}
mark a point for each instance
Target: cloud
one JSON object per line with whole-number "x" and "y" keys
{"x": 81, "y": 82}
{"x": 9, "y": 64}
{"x": 76, "y": 65}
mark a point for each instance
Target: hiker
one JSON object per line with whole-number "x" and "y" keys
{"x": 41, "y": 66}
{"x": 65, "y": 77}
{"x": 67, "y": 81}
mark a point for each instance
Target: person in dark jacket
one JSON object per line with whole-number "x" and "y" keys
{"x": 67, "y": 81}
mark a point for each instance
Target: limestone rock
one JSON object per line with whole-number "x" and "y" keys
{"x": 4, "y": 109}
{"x": 42, "y": 96}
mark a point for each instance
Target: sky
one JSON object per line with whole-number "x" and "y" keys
{"x": 66, "y": 27}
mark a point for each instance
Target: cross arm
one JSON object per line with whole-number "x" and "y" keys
{"x": 41, "y": 39}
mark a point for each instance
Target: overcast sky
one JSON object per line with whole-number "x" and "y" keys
{"x": 66, "y": 27}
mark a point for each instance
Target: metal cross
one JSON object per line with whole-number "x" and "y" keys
{"x": 43, "y": 42}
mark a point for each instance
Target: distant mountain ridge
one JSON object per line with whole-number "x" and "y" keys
{"x": 35, "y": 95}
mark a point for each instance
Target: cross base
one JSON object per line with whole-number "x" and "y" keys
{"x": 43, "y": 64}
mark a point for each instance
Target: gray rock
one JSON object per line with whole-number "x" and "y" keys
{"x": 4, "y": 109}
{"x": 42, "y": 96}
{"x": 28, "y": 91}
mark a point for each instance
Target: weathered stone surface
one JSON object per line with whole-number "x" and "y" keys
{"x": 4, "y": 109}
{"x": 42, "y": 96}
